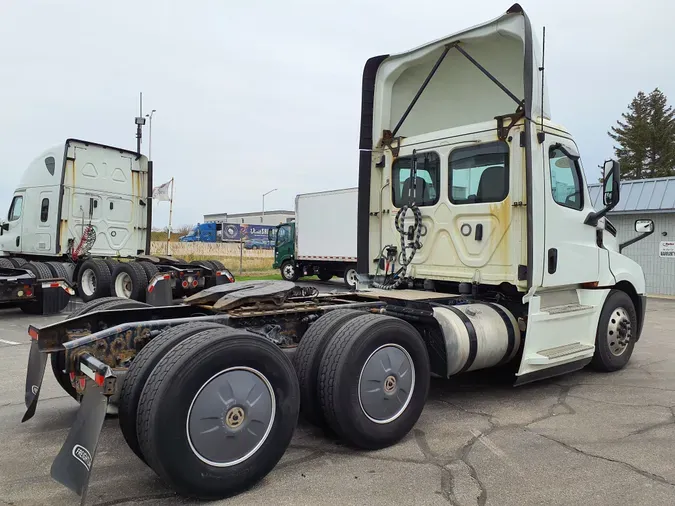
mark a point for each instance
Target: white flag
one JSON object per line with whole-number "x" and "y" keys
{"x": 160, "y": 193}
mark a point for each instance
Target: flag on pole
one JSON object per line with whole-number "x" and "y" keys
{"x": 161, "y": 193}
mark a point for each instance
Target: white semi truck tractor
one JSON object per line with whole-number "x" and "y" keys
{"x": 80, "y": 209}
{"x": 477, "y": 247}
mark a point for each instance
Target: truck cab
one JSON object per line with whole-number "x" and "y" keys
{"x": 284, "y": 246}
{"x": 466, "y": 185}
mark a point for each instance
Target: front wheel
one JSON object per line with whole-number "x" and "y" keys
{"x": 288, "y": 271}
{"x": 615, "y": 337}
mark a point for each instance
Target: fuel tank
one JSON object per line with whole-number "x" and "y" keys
{"x": 477, "y": 335}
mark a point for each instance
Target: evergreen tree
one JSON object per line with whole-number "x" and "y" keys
{"x": 632, "y": 136}
{"x": 646, "y": 137}
{"x": 661, "y": 151}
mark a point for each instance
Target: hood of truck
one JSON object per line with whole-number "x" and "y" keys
{"x": 459, "y": 93}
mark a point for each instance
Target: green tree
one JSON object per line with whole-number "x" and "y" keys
{"x": 632, "y": 136}
{"x": 661, "y": 152}
{"x": 645, "y": 137}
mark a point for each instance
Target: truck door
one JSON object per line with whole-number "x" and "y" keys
{"x": 571, "y": 253}
{"x": 11, "y": 230}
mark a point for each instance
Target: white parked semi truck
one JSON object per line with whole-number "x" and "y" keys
{"x": 322, "y": 240}
{"x": 469, "y": 257}
{"x": 82, "y": 206}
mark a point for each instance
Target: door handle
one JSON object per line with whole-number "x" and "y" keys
{"x": 552, "y": 260}
{"x": 18, "y": 239}
{"x": 479, "y": 232}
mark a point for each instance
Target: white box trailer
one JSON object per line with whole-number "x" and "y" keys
{"x": 325, "y": 225}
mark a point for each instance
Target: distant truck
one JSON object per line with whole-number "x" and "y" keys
{"x": 82, "y": 213}
{"x": 322, "y": 241}
{"x": 202, "y": 232}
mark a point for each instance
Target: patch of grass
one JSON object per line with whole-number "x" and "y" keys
{"x": 249, "y": 264}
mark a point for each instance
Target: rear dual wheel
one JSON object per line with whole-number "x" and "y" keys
{"x": 217, "y": 412}
{"x": 372, "y": 377}
{"x": 130, "y": 280}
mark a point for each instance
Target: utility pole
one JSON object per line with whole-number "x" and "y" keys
{"x": 262, "y": 219}
{"x": 140, "y": 121}
{"x": 150, "y": 135}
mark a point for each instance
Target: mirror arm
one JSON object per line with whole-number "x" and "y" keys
{"x": 592, "y": 218}
{"x": 636, "y": 239}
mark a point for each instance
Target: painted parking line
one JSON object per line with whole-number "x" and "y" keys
{"x": 5, "y": 341}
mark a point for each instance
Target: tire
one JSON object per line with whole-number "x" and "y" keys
{"x": 140, "y": 370}
{"x": 355, "y": 357}
{"x": 149, "y": 268}
{"x": 57, "y": 269}
{"x": 18, "y": 262}
{"x": 307, "y": 360}
{"x": 39, "y": 270}
{"x": 111, "y": 264}
{"x": 350, "y": 276}
{"x": 618, "y": 321}
{"x": 324, "y": 275}
{"x": 6, "y": 263}
{"x": 58, "y": 358}
{"x": 288, "y": 271}
{"x": 129, "y": 281}
{"x": 176, "y": 386}
{"x": 93, "y": 280}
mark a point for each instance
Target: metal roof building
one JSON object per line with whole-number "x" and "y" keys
{"x": 653, "y": 199}
{"x": 645, "y": 196}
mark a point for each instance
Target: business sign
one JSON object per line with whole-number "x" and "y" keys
{"x": 667, "y": 249}
{"x": 253, "y": 235}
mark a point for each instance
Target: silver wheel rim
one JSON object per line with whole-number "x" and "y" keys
{"x": 123, "y": 285}
{"x": 88, "y": 282}
{"x": 618, "y": 331}
{"x": 351, "y": 277}
{"x": 386, "y": 383}
{"x": 289, "y": 271}
{"x": 231, "y": 416}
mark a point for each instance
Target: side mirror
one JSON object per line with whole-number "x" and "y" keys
{"x": 644, "y": 226}
{"x": 4, "y": 227}
{"x": 610, "y": 186}
{"x": 610, "y": 191}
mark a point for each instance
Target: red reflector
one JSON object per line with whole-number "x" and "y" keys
{"x": 32, "y": 332}
{"x": 28, "y": 293}
{"x": 100, "y": 379}
{"x": 54, "y": 285}
{"x": 218, "y": 273}
{"x": 194, "y": 283}
{"x": 185, "y": 284}
{"x": 72, "y": 376}
{"x": 151, "y": 288}
{"x": 167, "y": 276}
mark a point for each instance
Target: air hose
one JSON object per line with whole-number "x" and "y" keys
{"x": 414, "y": 233}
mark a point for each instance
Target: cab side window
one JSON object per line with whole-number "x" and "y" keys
{"x": 424, "y": 190}
{"x": 479, "y": 174}
{"x": 15, "y": 208}
{"x": 44, "y": 210}
{"x": 565, "y": 179}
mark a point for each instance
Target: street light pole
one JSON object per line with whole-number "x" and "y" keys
{"x": 150, "y": 134}
{"x": 262, "y": 219}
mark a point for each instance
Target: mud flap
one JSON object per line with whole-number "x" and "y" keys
{"x": 72, "y": 466}
{"x": 159, "y": 292}
{"x": 34, "y": 376}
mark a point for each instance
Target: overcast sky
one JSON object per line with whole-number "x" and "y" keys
{"x": 260, "y": 94}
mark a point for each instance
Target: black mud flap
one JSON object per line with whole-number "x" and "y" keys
{"x": 159, "y": 292}
{"x": 36, "y": 371}
{"x": 55, "y": 297}
{"x": 72, "y": 466}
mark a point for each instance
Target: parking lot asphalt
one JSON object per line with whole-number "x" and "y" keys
{"x": 584, "y": 438}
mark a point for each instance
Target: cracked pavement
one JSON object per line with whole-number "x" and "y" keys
{"x": 583, "y": 438}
